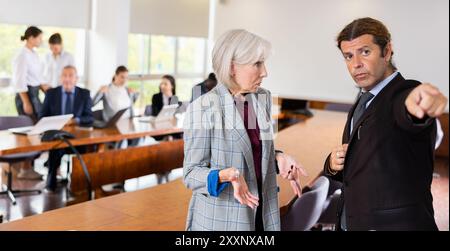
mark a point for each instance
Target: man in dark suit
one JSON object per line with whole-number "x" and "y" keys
{"x": 386, "y": 158}
{"x": 204, "y": 87}
{"x": 66, "y": 99}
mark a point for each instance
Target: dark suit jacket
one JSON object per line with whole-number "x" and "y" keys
{"x": 389, "y": 165}
{"x": 157, "y": 102}
{"x": 82, "y": 105}
{"x": 198, "y": 90}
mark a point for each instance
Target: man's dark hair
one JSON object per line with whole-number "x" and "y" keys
{"x": 55, "y": 39}
{"x": 369, "y": 26}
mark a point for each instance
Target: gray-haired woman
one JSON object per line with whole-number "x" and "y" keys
{"x": 230, "y": 160}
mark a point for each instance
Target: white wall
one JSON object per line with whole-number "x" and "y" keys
{"x": 66, "y": 13}
{"x": 306, "y": 62}
{"x": 170, "y": 17}
{"x": 108, "y": 40}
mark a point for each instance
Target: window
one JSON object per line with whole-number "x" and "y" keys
{"x": 162, "y": 55}
{"x": 7, "y": 103}
{"x": 74, "y": 42}
{"x": 138, "y": 54}
{"x": 151, "y": 56}
{"x": 146, "y": 89}
{"x": 184, "y": 87}
{"x": 191, "y": 55}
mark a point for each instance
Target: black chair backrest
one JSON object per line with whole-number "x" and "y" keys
{"x": 7, "y": 122}
{"x": 98, "y": 114}
{"x": 148, "y": 110}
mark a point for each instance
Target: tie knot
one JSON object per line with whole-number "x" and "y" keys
{"x": 365, "y": 97}
{"x": 68, "y": 93}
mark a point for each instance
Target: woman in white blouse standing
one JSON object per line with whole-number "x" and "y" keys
{"x": 28, "y": 79}
{"x": 27, "y": 75}
{"x": 56, "y": 60}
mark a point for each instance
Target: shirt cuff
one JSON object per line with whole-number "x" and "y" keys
{"x": 77, "y": 120}
{"x": 214, "y": 187}
{"x": 21, "y": 89}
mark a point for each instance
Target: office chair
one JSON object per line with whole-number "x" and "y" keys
{"x": 148, "y": 110}
{"x": 306, "y": 210}
{"x": 338, "y": 107}
{"x": 11, "y": 122}
{"x": 98, "y": 114}
{"x": 331, "y": 203}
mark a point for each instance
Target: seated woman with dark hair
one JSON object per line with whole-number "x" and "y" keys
{"x": 165, "y": 96}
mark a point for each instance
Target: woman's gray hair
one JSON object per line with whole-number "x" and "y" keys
{"x": 240, "y": 47}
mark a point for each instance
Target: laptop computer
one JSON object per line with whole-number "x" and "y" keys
{"x": 44, "y": 124}
{"x": 166, "y": 114}
{"x": 110, "y": 123}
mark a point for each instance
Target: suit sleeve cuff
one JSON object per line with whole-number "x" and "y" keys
{"x": 214, "y": 187}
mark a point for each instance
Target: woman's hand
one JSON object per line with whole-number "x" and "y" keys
{"x": 291, "y": 170}
{"x": 241, "y": 192}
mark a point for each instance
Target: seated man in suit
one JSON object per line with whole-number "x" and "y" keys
{"x": 66, "y": 99}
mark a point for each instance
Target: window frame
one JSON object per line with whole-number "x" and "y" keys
{"x": 146, "y": 76}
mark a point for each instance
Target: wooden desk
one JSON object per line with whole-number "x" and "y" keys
{"x": 125, "y": 129}
{"x": 164, "y": 207}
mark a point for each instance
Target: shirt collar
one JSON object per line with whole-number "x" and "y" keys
{"x": 64, "y": 91}
{"x": 60, "y": 55}
{"x": 29, "y": 50}
{"x": 377, "y": 89}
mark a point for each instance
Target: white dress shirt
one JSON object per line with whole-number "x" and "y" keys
{"x": 377, "y": 89}
{"x": 117, "y": 98}
{"x": 166, "y": 100}
{"x": 54, "y": 66}
{"x": 27, "y": 70}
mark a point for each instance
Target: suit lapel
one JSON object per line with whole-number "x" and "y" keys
{"x": 366, "y": 114}
{"x": 76, "y": 102}
{"x": 369, "y": 111}
{"x": 233, "y": 122}
{"x": 346, "y": 134}
{"x": 58, "y": 101}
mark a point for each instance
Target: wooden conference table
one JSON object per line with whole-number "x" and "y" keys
{"x": 164, "y": 207}
{"x": 125, "y": 129}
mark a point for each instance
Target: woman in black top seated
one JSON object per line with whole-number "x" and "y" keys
{"x": 165, "y": 96}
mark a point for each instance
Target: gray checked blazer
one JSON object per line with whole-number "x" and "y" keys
{"x": 215, "y": 138}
